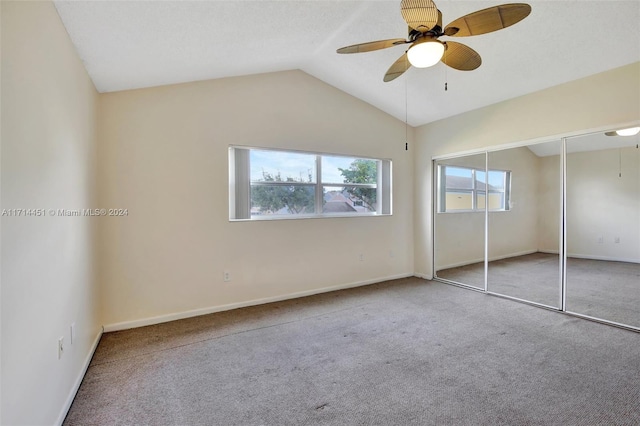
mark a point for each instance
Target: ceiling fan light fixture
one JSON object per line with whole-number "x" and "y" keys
{"x": 425, "y": 54}
{"x": 632, "y": 131}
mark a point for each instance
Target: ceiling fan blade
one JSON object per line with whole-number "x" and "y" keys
{"x": 461, "y": 57}
{"x": 421, "y": 15}
{"x": 372, "y": 45}
{"x": 488, "y": 20}
{"x": 397, "y": 69}
{"x": 611, "y": 133}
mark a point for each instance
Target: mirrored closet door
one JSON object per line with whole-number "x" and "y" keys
{"x": 524, "y": 193}
{"x": 603, "y": 227}
{"x": 459, "y": 248}
{"x": 555, "y": 224}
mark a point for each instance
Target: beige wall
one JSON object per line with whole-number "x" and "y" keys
{"x": 49, "y": 111}
{"x": 550, "y": 187}
{"x": 600, "y": 203}
{"x": 597, "y": 101}
{"x": 516, "y": 231}
{"x": 164, "y": 156}
{"x": 603, "y": 201}
{"x": 511, "y": 232}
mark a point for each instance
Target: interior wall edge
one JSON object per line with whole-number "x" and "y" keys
{"x": 423, "y": 276}
{"x": 125, "y": 325}
{"x": 76, "y": 385}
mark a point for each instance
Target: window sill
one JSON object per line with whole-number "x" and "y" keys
{"x": 474, "y": 211}
{"x": 301, "y": 217}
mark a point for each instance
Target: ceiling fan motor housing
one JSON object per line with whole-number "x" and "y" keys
{"x": 426, "y": 51}
{"x": 424, "y": 20}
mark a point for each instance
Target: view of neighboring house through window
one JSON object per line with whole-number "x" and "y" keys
{"x": 267, "y": 183}
{"x": 465, "y": 189}
{"x": 349, "y": 184}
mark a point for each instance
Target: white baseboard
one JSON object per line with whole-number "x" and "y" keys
{"x": 78, "y": 382}
{"x": 549, "y": 251}
{"x": 213, "y": 309}
{"x": 523, "y": 253}
{"x": 423, "y": 276}
{"x": 606, "y": 258}
{"x": 458, "y": 264}
{"x": 491, "y": 259}
{"x": 593, "y": 257}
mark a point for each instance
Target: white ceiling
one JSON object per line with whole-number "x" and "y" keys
{"x": 135, "y": 44}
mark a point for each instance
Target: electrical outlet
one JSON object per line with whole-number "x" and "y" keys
{"x": 60, "y": 347}
{"x": 72, "y": 332}
{"x": 226, "y": 276}
{"x": 391, "y": 254}
{"x": 600, "y": 240}
{"x": 361, "y": 257}
{"x": 616, "y": 240}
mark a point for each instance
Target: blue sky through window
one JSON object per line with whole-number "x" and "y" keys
{"x": 288, "y": 164}
{"x": 296, "y": 165}
{"x": 330, "y": 165}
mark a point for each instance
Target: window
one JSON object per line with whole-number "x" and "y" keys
{"x": 462, "y": 189}
{"x": 276, "y": 184}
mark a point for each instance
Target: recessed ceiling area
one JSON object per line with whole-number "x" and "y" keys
{"x": 136, "y": 44}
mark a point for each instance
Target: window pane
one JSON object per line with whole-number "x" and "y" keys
{"x": 481, "y": 179}
{"x": 496, "y": 180}
{"x": 496, "y": 201}
{"x": 480, "y": 200}
{"x": 280, "y": 166}
{"x": 458, "y": 178}
{"x": 459, "y": 200}
{"x": 349, "y": 170}
{"x": 265, "y": 183}
{"x": 282, "y": 200}
{"x": 347, "y": 199}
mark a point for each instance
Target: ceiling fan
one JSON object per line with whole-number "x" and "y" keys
{"x": 425, "y": 27}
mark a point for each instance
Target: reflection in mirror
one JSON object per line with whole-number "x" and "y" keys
{"x": 603, "y": 227}
{"x": 460, "y": 220}
{"x": 524, "y": 190}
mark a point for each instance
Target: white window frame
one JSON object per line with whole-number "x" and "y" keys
{"x": 240, "y": 186}
{"x": 473, "y": 191}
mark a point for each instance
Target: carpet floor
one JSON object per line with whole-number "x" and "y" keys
{"x": 600, "y": 289}
{"x": 403, "y": 352}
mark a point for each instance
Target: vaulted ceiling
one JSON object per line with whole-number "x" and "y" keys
{"x": 136, "y": 44}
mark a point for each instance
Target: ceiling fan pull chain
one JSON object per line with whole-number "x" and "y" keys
{"x": 620, "y": 162}
{"x": 445, "y": 68}
{"x": 406, "y": 116}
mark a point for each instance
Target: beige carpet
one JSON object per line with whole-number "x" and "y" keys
{"x": 601, "y": 289}
{"x": 405, "y": 352}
